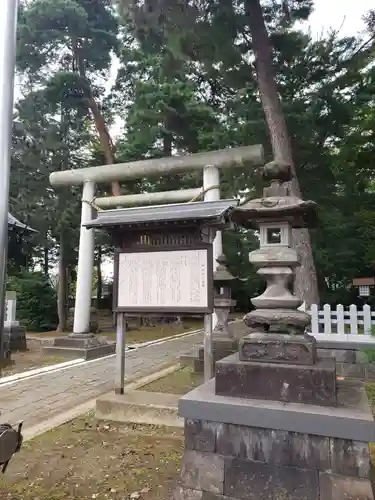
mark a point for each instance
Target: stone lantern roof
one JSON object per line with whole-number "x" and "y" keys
{"x": 277, "y": 203}
{"x": 222, "y": 274}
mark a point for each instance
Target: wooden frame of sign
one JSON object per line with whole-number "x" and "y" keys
{"x": 164, "y": 280}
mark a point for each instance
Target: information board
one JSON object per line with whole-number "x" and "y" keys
{"x": 173, "y": 281}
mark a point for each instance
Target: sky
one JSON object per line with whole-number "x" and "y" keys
{"x": 345, "y": 15}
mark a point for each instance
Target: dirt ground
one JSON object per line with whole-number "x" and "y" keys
{"x": 179, "y": 382}
{"x": 85, "y": 460}
{"x": 30, "y": 359}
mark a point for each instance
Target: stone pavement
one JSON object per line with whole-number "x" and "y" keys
{"x": 41, "y": 398}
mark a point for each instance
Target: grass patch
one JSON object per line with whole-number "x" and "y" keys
{"x": 85, "y": 460}
{"x": 147, "y": 333}
{"x": 370, "y": 391}
{"x": 179, "y": 382}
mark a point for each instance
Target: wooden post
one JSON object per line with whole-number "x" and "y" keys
{"x": 120, "y": 353}
{"x": 208, "y": 360}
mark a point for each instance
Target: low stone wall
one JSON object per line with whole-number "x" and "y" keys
{"x": 351, "y": 359}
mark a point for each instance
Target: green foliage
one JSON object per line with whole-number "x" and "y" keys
{"x": 53, "y": 31}
{"x": 187, "y": 83}
{"x": 36, "y": 301}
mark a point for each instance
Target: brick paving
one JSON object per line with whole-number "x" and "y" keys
{"x": 40, "y": 398}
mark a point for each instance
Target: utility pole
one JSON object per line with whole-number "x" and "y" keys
{"x": 8, "y": 30}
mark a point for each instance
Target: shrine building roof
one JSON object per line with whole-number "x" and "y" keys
{"x": 215, "y": 213}
{"x": 15, "y": 224}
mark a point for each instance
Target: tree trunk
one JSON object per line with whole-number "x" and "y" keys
{"x": 105, "y": 140}
{"x": 62, "y": 287}
{"x": 101, "y": 127}
{"x": 99, "y": 286}
{"x": 306, "y": 285}
{"x": 46, "y": 261}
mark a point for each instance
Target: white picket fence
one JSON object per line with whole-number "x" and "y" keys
{"x": 348, "y": 321}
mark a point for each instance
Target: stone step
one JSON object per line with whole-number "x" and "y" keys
{"x": 140, "y": 407}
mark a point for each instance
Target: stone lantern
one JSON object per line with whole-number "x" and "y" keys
{"x": 223, "y": 301}
{"x": 278, "y": 324}
{"x": 274, "y": 422}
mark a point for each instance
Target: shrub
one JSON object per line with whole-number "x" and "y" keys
{"x": 36, "y": 301}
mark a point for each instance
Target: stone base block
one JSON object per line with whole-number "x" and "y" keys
{"x": 278, "y": 348}
{"x": 79, "y": 347}
{"x": 15, "y": 337}
{"x": 312, "y": 384}
{"x": 307, "y": 453}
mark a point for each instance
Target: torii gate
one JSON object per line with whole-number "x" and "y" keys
{"x": 210, "y": 162}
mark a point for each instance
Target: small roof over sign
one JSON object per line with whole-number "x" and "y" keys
{"x": 14, "y": 224}
{"x": 364, "y": 281}
{"x": 211, "y": 212}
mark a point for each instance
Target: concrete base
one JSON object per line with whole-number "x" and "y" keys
{"x": 139, "y": 407}
{"x": 15, "y": 337}
{"x": 86, "y": 347}
{"x": 237, "y": 449}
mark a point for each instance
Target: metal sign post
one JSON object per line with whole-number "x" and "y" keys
{"x": 8, "y": 27}
{"x": 120, "y": 353}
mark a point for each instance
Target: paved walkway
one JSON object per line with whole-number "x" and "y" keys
{"x": 41, "y": 398}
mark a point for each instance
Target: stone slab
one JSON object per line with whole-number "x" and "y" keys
{"x": 15, "y": 337}
{"x": 334, "y": 487}
{"x": 80, "y": 346}
{"x": 278, "y": 348}
{"x": 340, "y": 355}
{"x": 312, "y": 384}
{"x": 350, "y": 419}
{"x": 75, "y": 352}
{"x": 250, "y": 480}
{"x": 337, "y": 341}
{"x": 203, "y": 471}
{"x": 139, "y": 407}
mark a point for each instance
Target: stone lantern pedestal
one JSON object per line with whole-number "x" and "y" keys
{"x": 275, "y": 423}
{"x": 225, "y": 336}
